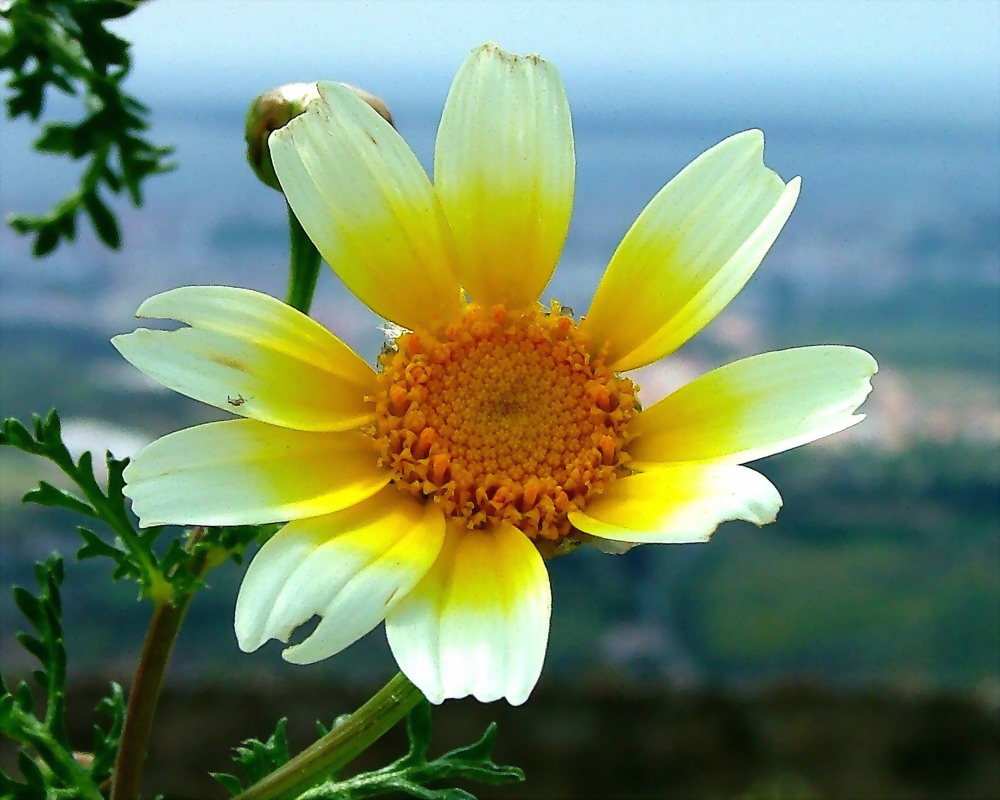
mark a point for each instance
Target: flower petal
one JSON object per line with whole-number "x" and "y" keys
{"x": 478, "y": 623}
{"x": 350, "y": 568}
{"x": 243, "y": 472}
{"x": 365, "y": 201}
{"x": 504, "y": 169}
{"x": 251, "y": 354}
{"x": 756, "y": 407}
{"x": 690, "y": 252}
{"x": 678, "y": 504}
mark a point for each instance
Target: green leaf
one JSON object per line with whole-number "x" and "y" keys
{"x": 417, "y": 777}
{"x": 46, "y": 238}
{"x": 106, "y": 740}
{"x": 131, "y": 550}
{"x": 48, "y": 495}
{"x": 65, "y": 45}
{"x": 94, "y": 546}
{"x": 13, "y": 433}
{"x": 28, "y": 605}
{"x": 229, "y": 782}
{"x": 25, "y": 698}
{"x": 33, "y": 777}
{"x": 418, "y": 731}
{"x": 42, "y": 739}
{"x": 103, "y": 220}
{"x": 475, "y": 761}
{"x": 257, "y": 759}
{"x": 165, "y": 574}
{"x": 57, "y": 137}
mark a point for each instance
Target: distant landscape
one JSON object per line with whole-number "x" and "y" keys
{"x": 881, "y": 570}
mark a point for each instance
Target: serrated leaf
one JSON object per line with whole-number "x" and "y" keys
{"x": 52, "y": 572}
{"x": 104, "y": 222}
{"x": 28, "y": 605}
{"x": 35, "y": 646}
{"x": 414, "y": 775}
{"x": 57, "y": 138}
{"x": 66, "y": 46}
{"x": 230, "y": 783}
{"x": 46, "y": 239}
{"x": 32, "y": 775}
{"x": 49, "y": 427}
{"x": 14, "y": 434}
{"x": 106, "y": 740}
{"x": 85, "y": 471}
{"x": 66, "y": 224}
{"x": 111, "y": 178}
{"x": 25, "y": 698}
{"x": 116, "y": 475}
{"x": 6, "y": 704}
{"x": 51, "y": 771}
{"x": 477, "y": 751}
{"x": 258, "y": 759}
{"x": 451, "y": 793}
{"x": 135, "y": 557}
{"x": 418, "y": 731}
{"x": 45, "y": 494}
{"x": 94, "y": 546}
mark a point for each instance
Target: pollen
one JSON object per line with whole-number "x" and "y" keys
{"x": 503, "y": 416}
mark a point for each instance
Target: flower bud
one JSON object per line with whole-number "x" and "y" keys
{"x": 275, "y": 109}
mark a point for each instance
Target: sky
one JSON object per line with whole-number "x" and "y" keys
{"x": 943, "y": 53}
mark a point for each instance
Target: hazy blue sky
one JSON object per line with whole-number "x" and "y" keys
{"x": 944, "y": 52}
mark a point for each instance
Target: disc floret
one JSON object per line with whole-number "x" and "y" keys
{"x": 505, "y": 415}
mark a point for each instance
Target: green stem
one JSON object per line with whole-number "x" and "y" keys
{"x": 341, "y": 745}
{"x": 145, "y": 694}
{"x": 303, "y": 266}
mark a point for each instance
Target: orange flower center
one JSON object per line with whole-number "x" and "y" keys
{"x": 507, "y": 416}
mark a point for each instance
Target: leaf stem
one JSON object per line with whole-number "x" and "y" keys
{"x": 303, "y": 267}
{"x": 340, "y": 746}
{"x": 164, "y": 626}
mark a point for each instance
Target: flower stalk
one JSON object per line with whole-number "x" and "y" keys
{"x": 303, "y": 266}
{"x": 341, "y": 745}
{"x": 144, "y": 697}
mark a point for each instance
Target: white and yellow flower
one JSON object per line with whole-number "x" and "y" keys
{"x": 494, "y": 432}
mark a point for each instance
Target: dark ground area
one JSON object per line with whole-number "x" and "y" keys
{"x": 804, "y": 742}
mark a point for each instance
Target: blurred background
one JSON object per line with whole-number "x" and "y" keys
{"x": 850, "y": 650}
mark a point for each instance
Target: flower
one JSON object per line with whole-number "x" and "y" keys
{"x": 428, "y": 493}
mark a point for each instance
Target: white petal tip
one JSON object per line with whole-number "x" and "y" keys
{"x": 127, "y": 344}
{"x": 481, "y": 695}
{"x": 765, "y": 516}
{"x": 293, "y": 655}
{"x": 872, "y": 363}
{"x": 487, "y": 697}
{"x": 248, "y": 645}
{"x": 518, "y": 698}
{"x": 151, "y": 307}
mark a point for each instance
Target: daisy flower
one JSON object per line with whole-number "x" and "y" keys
{"x": 494, "y": 432}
